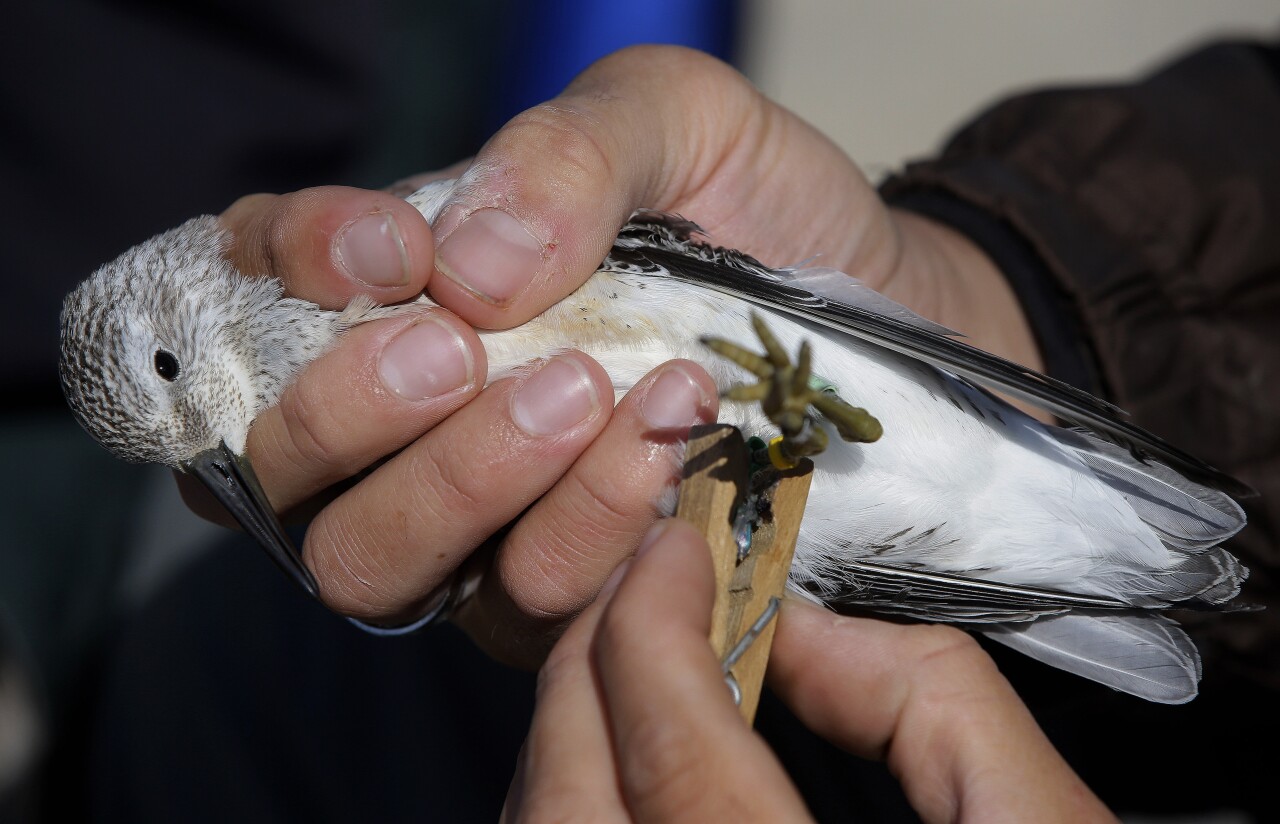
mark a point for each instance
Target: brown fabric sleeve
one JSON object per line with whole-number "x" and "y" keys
{"x": 1154, "y": 208}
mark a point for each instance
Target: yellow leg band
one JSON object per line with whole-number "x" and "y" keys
{"x": 776, "y": 457}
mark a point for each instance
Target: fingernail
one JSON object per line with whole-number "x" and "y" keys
{"x": 674, "y": 401}
{"x": 426, "y": 360}
{"x": 557, "y": 397}
{"x": 615, "y": 579}
{"x": 490, "y": 255}
{"x": 370, "y": 250}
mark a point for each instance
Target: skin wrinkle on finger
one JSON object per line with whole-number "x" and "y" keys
{"x": 448, "y": 488}
{"x": 308, "y": 440}
{"x": 736, "y": 160}
{"x": 548, "y": 203}
{"x": 567, "y": 565}
{"x": 356, "y": 586}
{"x": 553, "y": 562}
{"x": 547, "y": 577}
{"x": 573, "y": 134}
{"x": 314, "y": 437}
{"x": 251, "y": 250}
{"x": 814, "y": 237}
{"x": 442, "y": 487}
{"x": 581, "y": 174}
{"x": 687, "y": 96}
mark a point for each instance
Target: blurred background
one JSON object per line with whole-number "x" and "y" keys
{"x": 121, "y": 119}
{"x": 888, "y": 81}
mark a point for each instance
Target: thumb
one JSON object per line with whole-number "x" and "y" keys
{"x": 536, "y": 212}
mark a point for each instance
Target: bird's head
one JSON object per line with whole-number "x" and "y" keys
{"x": 155, "y": 363}
{"x": 159, "y": 364}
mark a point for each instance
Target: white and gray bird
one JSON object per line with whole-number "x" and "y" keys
{"x": 1065, "y": 544}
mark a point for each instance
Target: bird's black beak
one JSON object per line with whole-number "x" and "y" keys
{"x": 232, "y": 481}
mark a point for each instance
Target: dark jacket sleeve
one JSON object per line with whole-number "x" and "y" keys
{"x": 1140, "y": 227}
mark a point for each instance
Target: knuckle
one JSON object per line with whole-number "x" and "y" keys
{"x": 947, "y": 647}
{"x": 277, "y": 236}
{"x": 589, "y": 523}
{"x": 452, "y": 487}
{"x": 953, "y": 674}
{"x": 313, "y": 436}
{"x": 349, "y": 575}
{"x": 589, "y": 532}
{"x": 247, "y": 205}
{"x": 697, "y": 78}
{"x": 601, "y": 507}
{"x": 245, "y": 219}
{"x": 572, "y": 134}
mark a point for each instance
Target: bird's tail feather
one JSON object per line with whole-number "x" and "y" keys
{"x": 1208, "y": 578}
{"x": 1184, "y": 514}
{"x": 1145, "y": 655}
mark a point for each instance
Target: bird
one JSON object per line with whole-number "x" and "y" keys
{"x": 1067, "y": 543}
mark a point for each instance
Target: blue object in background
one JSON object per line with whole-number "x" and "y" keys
{"x": 546, "y": 43}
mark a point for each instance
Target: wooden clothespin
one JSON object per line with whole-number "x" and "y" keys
{"x": 715, "y": 487}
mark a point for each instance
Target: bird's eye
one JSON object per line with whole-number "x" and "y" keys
{"x": 166, "y": 365}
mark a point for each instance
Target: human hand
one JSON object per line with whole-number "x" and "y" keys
{"x": 656, "y": 126}
{"x": 668, "y": 128}
{"x": 543, "y": 460}
{"x": 634, "y": 721}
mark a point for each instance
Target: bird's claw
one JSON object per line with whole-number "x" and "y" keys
{"x": 786, "y": 392}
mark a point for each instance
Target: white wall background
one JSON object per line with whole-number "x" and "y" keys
{"x": 889, "y": 79}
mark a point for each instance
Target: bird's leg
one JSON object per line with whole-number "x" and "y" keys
{"x": 786, "y": 391}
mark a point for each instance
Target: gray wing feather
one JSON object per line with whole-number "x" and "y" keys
{"x": 1146, "y": 655}
{"x": 667, "y": 245}
{"x": 1186, "y": 514}
{"x": 833, "y": 284}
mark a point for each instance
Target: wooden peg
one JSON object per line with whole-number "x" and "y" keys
{"x": 715, "y": 485}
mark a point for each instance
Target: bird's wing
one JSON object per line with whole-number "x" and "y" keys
{"x": 1101, "y": 639}
{"x": 937, "y": 596}
{"x": 1144, "y": 655}
{"x": 655, "y": 243}
{"x": 1184, "y": 514}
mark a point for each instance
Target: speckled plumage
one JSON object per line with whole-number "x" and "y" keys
{"x": 967, "y": 510}
{"x": 239, "y": 342}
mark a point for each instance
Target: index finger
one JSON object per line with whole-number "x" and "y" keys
{"x": 331, "y": 243}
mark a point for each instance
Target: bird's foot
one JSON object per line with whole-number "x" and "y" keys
{"x": 786, "y": 392}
